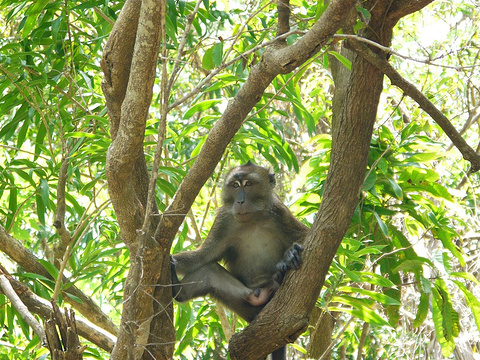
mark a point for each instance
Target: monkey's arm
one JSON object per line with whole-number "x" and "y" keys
{"x": 295, "y": 232}
{"x": 213, "y": 249}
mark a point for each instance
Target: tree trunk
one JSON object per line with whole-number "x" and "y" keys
{"x": 286, "y": 316}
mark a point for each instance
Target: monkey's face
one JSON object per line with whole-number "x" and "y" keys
{"x": 248, "y": 191}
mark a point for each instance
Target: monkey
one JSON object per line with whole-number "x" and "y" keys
{"x": 256, "y": 236}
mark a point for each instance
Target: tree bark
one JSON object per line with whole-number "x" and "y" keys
{"x": 29, "y": 262}
{"x": 129, "y": 64}
{"x": 286, "y": 316}
{"x": 62, "y": 336}
{"x": 410, "y": 90}
{"x": 125, "y": 166}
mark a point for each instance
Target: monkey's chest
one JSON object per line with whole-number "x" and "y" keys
{"x": 255, "y": 255}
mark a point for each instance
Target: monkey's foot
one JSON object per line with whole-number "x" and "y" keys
{"x": 259, "y": 296}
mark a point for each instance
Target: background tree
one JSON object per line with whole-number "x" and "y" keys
{"x": 231, "y": 84}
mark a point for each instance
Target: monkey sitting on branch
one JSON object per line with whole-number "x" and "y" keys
{"x": 255, "y": 235}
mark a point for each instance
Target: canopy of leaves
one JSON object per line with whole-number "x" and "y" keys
{"x": 408, "y": 266}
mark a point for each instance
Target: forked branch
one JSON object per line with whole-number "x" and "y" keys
{"x": 411, "y": 90}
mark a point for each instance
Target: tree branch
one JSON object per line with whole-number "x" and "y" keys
{"x": 23, "y": 257}
{"x": 409, "y": 89}
{"x": 59, "y": 222}
{"x": 43, "y": 308}
{"x": 117, "y": 59}
{"x": 283, "y": 23}
{"x": 20, "y": 307}
{"x": 286, "y": 316}
{"x": 123, "y": 180}
{"x": 401, "y": 8}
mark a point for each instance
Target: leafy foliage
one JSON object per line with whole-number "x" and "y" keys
{"x": 406, "y": 266}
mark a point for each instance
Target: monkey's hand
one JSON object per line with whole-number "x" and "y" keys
{"x": 291, "y": 260}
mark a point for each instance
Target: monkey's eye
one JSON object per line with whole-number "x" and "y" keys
{"x": 247, "y": 183}
{"x": 236, "y": 184}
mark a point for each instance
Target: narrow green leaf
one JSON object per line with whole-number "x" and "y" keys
{"x": 73, "y": 297}
{"x": 381, "y": 298}
{"x": 201, "y": 106}
{"x": 41, "y": 210}
{"x": 207, "y": 60}
{"x": 381, "y": 224}
{"x": 217, "y": 54}
{"x": 445, "y": 318}
{"x": 347, "y": 63}
{"x": 45, "y": 192}
{"x": 422, "y": 310}
{"x": 369, "y": 181}
{"x": 52, "y": 270}
{"x": 397, "y": 190}
{"x": 466, "y": 276}
{"x": 360, "y": 310}
{"x": 472, "y": 302}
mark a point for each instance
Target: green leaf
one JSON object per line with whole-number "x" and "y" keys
{"x": 32, "y": 15}
{"x": 201, "y": 106}
{"x": 41, "y": 209}
{"x": 45, "y": 192}
{"x": 375, "y": 279}
{"x": 422, "y": 310}
{"x": 381, "y": 224}
{"x": 207, "y": 60}
{"x": 381, "y": 298}
{"x": 361, "y": 308}
{"x": 73, "y": 297}
{"x": 347, "y": 63}
{"x": 412, "y": 265}
{"x": 472, "y": 302}
{"x": 397, "y": 190}
{"x": 217, "y": 54}
{"x": 445, "y": 318}
{"x": 466, "y": 276}
{"x": 52, "y": 270}
{"x": 370, "y": 180}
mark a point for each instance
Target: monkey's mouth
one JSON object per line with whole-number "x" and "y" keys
{"x": 243, "y": 217}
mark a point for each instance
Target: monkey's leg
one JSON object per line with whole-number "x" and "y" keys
{"x": 280, "y": 354}
{"x": 216, "y": 281}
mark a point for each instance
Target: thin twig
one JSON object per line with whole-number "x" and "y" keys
{"x": 183, "y": 42}
{"x": 393, "y": 52}
{"x": 221, "y": 67}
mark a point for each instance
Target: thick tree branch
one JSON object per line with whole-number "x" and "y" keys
{"x": 117, "y": 60}
{"x": 20, "y": 307}
{"x": 43, "y": 308}
{"x": 23, "y": 257}
{"x": 122, "y": 158}
{"x": 238, "y": 108}
{"x": 127, "y": 146}
{"x": 409, "y": 89}
{"x": 401, "y": 8}
{"x": 286, "y": 316}
{"x": 283, "y": 23}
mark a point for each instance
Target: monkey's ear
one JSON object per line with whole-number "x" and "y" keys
{"x": 271, "y": 179}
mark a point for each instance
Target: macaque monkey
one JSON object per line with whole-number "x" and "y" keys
{"x": 257, "y": 238}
